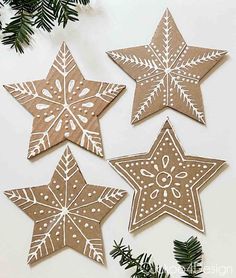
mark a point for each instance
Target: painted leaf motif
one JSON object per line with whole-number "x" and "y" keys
{"x": 66, "y": 212}
{"x": 65, "y": 106}
{"x": 167, "y": 72}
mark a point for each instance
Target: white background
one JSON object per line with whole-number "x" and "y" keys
{"x": 113, "y": 24}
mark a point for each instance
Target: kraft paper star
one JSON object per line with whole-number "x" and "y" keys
{"x": 166, "y": 181}
{"x": 65, "y": 106}
{"x": 66, "y": 212}
{"x": 167, "y": 72}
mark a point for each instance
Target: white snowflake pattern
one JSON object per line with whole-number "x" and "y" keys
{"x": 65, "y": 106}
{"x": 67, "y": 212}
{"x": 167, "y": 72}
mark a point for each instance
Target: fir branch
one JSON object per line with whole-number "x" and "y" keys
{"x": 189, "y": 256}
{"x": 65, "y": 11}
{"x": 41, "y": 14}
{"x": 142, "y": 264}
{"x": 44, "y": 15}
{"x": 18, "y": 32}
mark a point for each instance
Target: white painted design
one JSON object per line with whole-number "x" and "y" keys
{"x": 41, "y": 106}
{"x": 83, "y": 119}
{"x": 146, "y": 173}
{"x": 58, "y": 127}
{"x": 59, "y": 209}
{"x": 71, "y": 85}
{"x": 84, "y": 92}
{"x": 88, "y": 104}
{"x": 44, "y": 91}
{"x": 169, "y": 74}
{"x": 165, "y": 181}
{"x": 49, "y": 118}
{"x": 58, "y": 85}
{"x": 66, "y": 105}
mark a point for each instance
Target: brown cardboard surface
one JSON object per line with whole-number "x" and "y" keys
{"x": 167, "y": 72}
{"x": 65, "y": 106}
{"x": 166, "y": 181}
{"x": 66, "y": 212}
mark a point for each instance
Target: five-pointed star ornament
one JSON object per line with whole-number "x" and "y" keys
{"x": 167, "y": 72}
{"x": 65, "y": 106}
{"x": 66, "y": 212}
{"x": 166, "y": 181}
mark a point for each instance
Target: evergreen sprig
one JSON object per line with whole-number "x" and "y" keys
{"x": 143, "y": 267}
{"x": 188, "y": 255}
{"x": 41, "y": 14}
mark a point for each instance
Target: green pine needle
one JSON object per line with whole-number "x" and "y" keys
{"x": 189, "y": 256}
{"x": 18, "y": 31}
{"x": 41, "y": 14}
{"x": 44, "y": 15}
{"x": 65, "y": 11}
{"x": 142, "y": 265}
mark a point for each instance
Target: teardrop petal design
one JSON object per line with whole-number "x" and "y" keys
{"x": 49, "y": 118}
{"x": 72, "y": 124}
{"x": 58, "y": 127}
{"x": 165, "y": 161}
{"x": 71, "y": 85}
{"x": 181, "y": 175}
{"x": 46, "y": 93}
{"x": 84, "y": 92}
{"x": 83, "y": 119}
{"x": 176, "y": 192}
{"x": 88, "y": 104}
{"x": 58, "y": 85}
{"x": 154, "y": 194}
{"x": 146, "y": 173}
{"x": 41, "y": 106}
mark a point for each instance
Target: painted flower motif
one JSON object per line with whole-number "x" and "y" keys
{"x": 166, "y": 179}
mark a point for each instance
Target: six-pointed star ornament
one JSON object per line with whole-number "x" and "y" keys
{"x": 66, "y": 212}
{"x": 166, "y": 181}
{"x": 167, "y": 72}
{"x": 65, "y": 106}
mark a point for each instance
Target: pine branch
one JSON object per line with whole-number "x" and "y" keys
{"x": 189, "y": 256}
{"x": 18, "y": 32}
{"x": 64, "y": 11}
{"x": 41, "y": 14}
{"x": 142, "y": 265}
{"x": 44, "y": 15}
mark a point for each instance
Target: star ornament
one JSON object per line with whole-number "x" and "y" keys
{"x": 66, "y": 212}
{"x": 65, "y": 106}
{"x": 167, "y": 72}
{"x": 166, "y": 181}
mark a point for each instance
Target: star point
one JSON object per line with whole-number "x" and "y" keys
{"x": 66, "y": 212}
{"x": 65, "y": 106}
{"x": 167, "y": 72}
{"x": 166, "y": 181}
